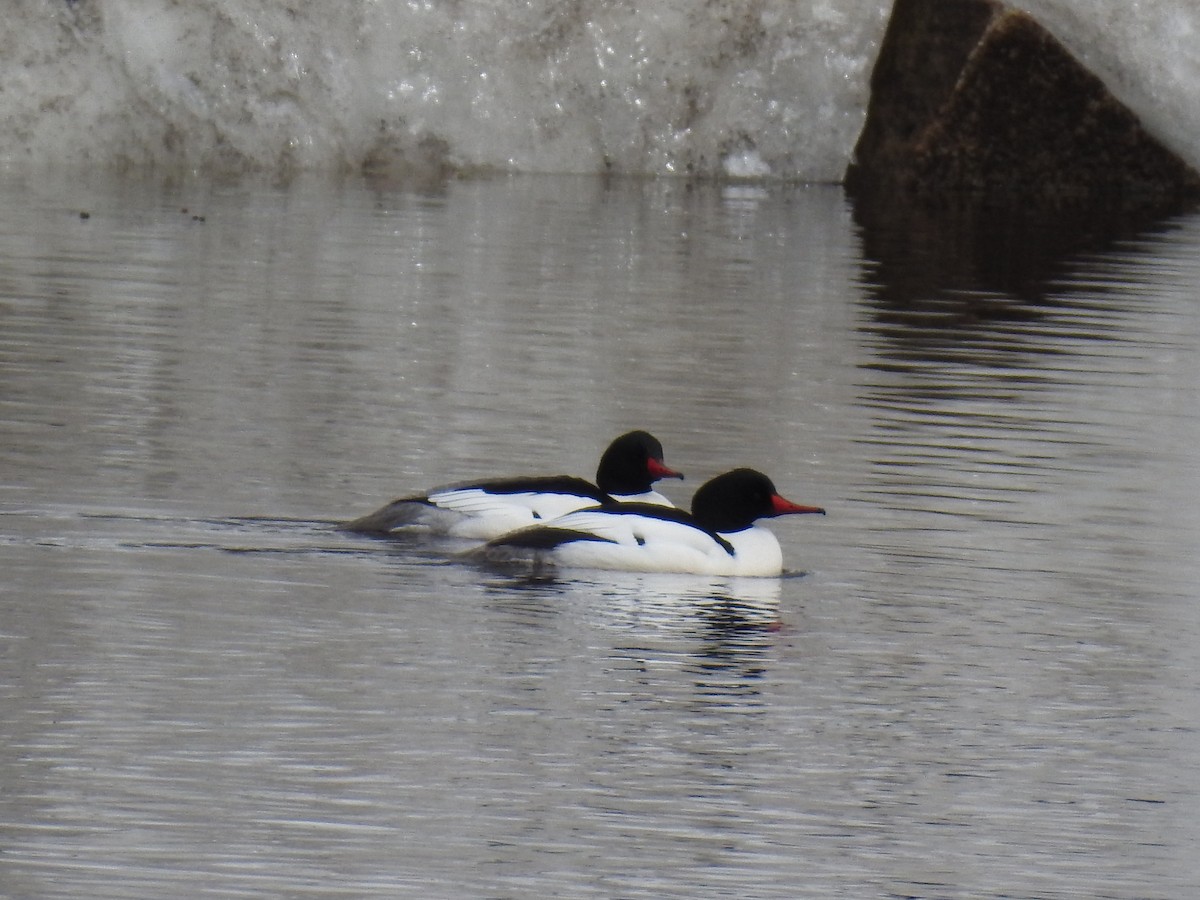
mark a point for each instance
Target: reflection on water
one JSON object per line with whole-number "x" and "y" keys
{"x": 983, "y": 261}
{"x": 1040, "y": 420}
{"x": 983, "y": 686}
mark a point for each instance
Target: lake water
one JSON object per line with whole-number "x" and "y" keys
{"x": 979, "y": 679}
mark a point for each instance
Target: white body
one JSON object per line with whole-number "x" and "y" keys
{"x": 478, "y": 515}
{"x": 638, "y": 543}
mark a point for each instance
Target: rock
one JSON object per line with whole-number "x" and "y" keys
{"x": 973, "y": 97}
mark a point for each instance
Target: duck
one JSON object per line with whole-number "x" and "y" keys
{"x": 718, "y": 537}
{"x": 483, "y": 510}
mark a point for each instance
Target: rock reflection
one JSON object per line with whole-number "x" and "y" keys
{"x": 1007, "y": 356}
{"x": 952, "y": 274}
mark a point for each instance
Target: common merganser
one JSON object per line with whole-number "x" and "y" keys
{"x": 718, "y": 537}
{"x": 486, "y": 509}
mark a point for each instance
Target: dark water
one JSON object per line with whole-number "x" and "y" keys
{"x": 984, "y": 685}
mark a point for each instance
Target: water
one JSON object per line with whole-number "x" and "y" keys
{"x": 978, "y": 679}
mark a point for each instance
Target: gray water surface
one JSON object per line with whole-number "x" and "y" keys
{"x": 979, "y": 678}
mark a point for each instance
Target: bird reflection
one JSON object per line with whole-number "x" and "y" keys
{"x": 722, "y": 626}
